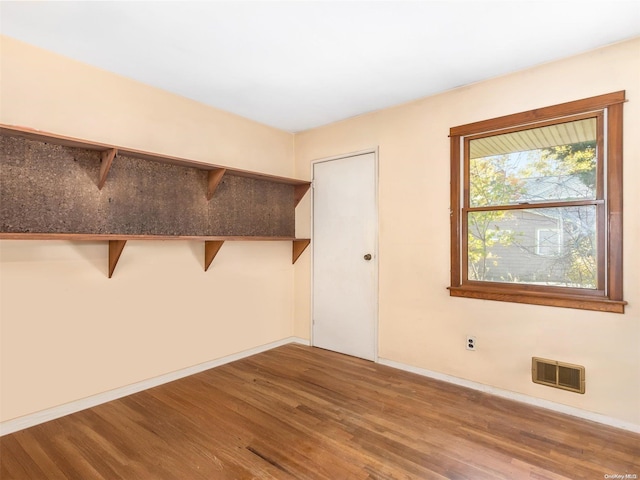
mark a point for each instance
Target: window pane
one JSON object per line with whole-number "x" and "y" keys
{"x": 557, "y": 162}
{"x": 543, "y": 246}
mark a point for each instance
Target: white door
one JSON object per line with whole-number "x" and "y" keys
{"x": 345, "y": 300}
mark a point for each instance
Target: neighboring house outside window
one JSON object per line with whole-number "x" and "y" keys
{"x": 549, "y": 242}
{"x": 536, "y": 206}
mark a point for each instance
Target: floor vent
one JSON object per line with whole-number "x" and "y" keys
{"x": 557, "y": 374}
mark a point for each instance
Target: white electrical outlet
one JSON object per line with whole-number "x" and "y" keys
{"x": 471, "y": 343}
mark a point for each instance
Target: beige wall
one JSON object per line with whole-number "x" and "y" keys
{"x": 419, "y": 324}
{"x": 67, "y": 330}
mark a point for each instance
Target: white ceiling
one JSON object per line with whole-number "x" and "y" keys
{"x": 300, "y": 64}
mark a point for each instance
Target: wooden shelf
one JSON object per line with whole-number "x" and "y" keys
{"x": 38, "y": 135}
{"x": 212, "y": 245}
{"x": 257, "y": 206}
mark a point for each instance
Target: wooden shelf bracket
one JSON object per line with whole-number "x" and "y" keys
{"x": 211, "y": 249}
{"x": 213, "y": 180}
{"x": 300, "y": 191}
{"x": 298, "y": 247}
{"x": 115, "y": 250}
{"x": 106, "y": 159}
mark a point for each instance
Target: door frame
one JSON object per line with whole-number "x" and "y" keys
{"x": 374, "y": 151}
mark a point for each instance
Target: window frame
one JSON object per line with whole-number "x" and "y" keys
{"x": 607, "y": 296}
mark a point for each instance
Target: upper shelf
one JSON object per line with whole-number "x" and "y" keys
{"x": 112, "y": 150}
{"x": 61, "y": 187}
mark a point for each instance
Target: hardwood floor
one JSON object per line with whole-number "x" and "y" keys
{"x": 298, "y": 412}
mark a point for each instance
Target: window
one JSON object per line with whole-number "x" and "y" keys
{"x": 536, "y": 206}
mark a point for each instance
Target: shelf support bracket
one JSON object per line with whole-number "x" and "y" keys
{"x": 298, "y": 247}
{"x": 115, "y": 250}
{"x": 213, "y": 180}
{"x": 211, "y": 249}
{"x": 106, "y": 159}
{"x": 300, "y": 191}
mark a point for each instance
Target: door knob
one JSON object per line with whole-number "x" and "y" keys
{"x": 367, "y": 257}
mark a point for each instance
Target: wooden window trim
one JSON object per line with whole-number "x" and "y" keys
{"x": 608, "y": 296}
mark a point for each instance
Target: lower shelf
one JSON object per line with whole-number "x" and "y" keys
{"x": 212, "y": 245}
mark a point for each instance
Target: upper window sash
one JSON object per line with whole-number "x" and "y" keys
{"x": 513, "y": 158}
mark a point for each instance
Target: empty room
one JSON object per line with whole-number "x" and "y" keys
{"x": 319, "y": 240}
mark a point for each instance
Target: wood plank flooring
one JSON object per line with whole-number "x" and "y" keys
{"x": 297, "y": 412}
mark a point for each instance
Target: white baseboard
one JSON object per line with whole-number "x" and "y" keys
{"x": 27, "y": 421}
{"x": 31, "y": 420}
{"x": 518, "y": 397}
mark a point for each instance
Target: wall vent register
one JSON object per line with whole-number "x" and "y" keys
{"x": 558, "y": 374}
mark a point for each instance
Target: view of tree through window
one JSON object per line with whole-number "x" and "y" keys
{"x": 550, "y": 243}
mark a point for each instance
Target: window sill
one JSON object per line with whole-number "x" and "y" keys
{"x": 599, "y": 304}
